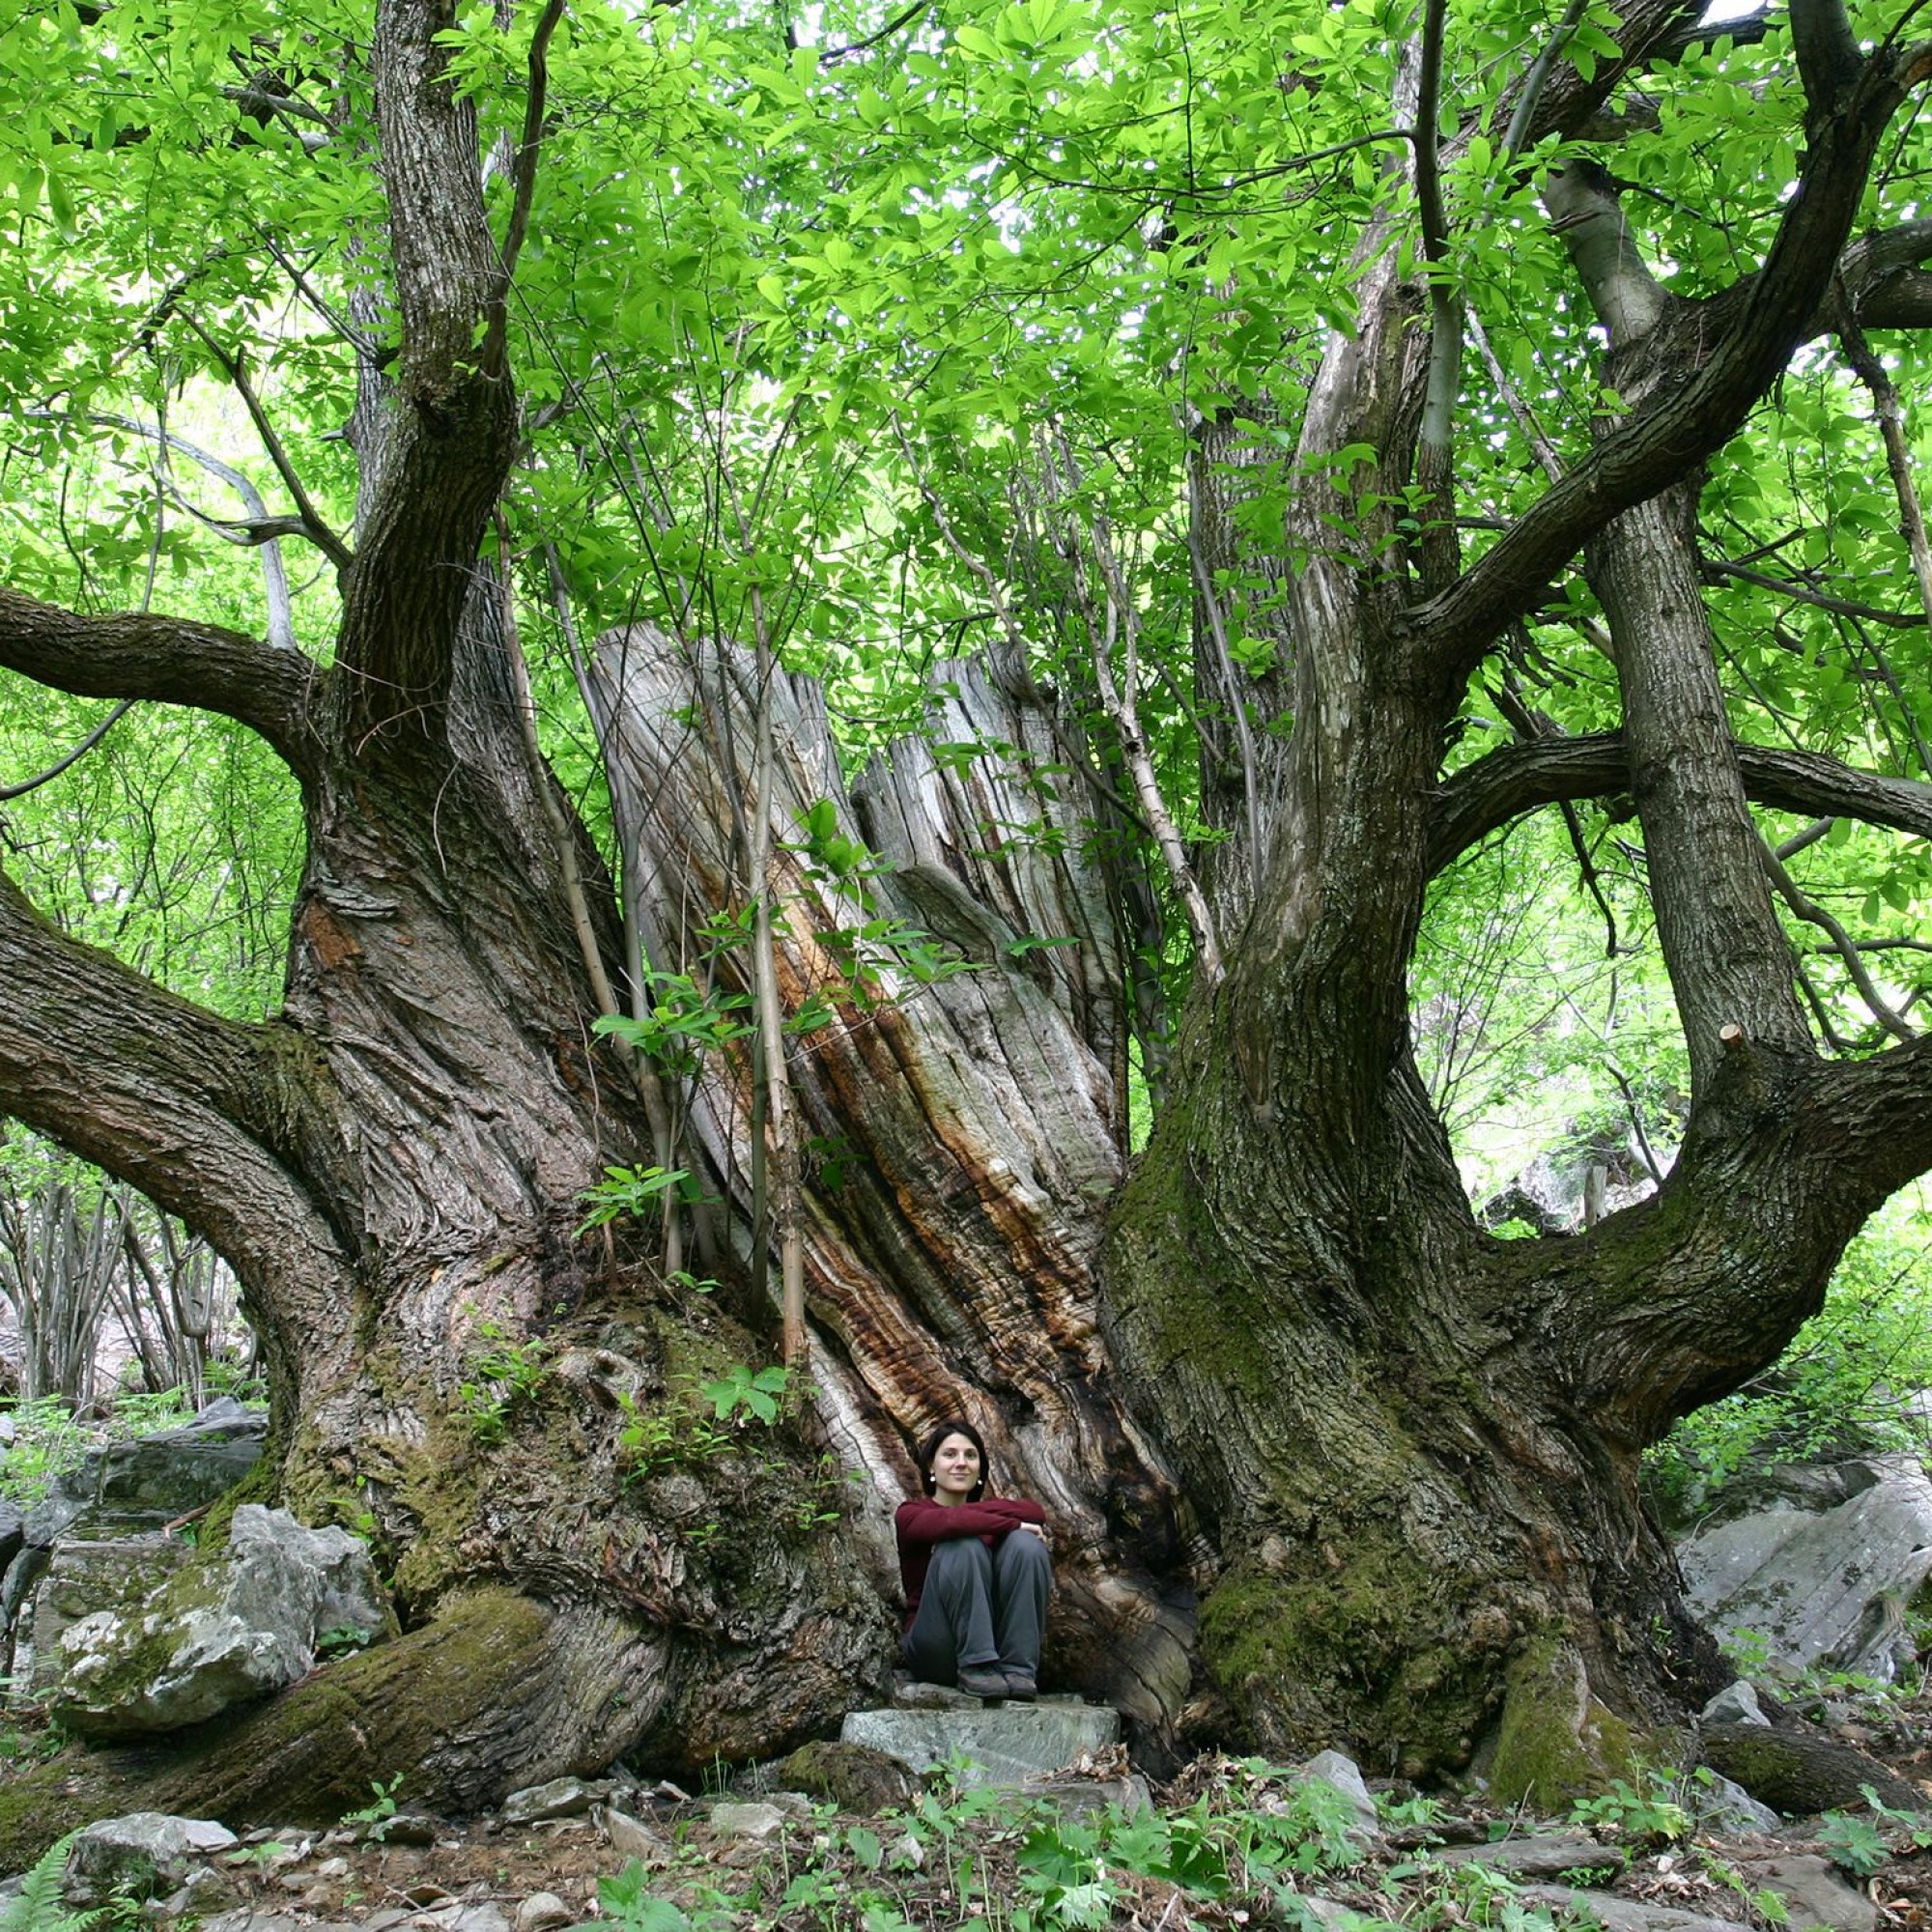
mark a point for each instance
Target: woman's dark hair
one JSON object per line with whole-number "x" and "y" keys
{"x": 929, "y": 1448}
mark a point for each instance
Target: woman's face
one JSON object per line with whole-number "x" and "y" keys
{"x": 955, "y": 1470}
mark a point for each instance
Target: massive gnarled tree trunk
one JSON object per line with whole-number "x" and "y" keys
{"x": 1415, "y": 1445}
{"x": 393, "y": 1165}
{"x": 1330, "y": 1464}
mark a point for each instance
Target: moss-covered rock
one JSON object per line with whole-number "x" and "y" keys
{"x": 855, "y": 1778}
{"x": 1558, "y": 1741}
{"x": 219, "y": 1632}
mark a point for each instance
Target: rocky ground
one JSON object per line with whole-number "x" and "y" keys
{"x": 1229, "y": 1844}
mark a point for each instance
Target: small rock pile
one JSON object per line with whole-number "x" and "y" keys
{"x": 123, "y": 1629}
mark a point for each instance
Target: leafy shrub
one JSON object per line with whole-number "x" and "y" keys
{"x": 50, "y": 1441}
{"x": 1644, "y": 1814}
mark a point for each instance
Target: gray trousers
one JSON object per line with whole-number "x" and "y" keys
{"x": 980, "y": 1607}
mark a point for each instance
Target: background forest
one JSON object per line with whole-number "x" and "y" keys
{"x": 1386, "y": 538}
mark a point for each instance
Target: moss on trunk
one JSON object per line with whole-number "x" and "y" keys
{"x": 501, "y": 1691}
{"x": 1557, "y": 1740}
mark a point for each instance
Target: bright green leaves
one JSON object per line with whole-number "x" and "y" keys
{"x": 174, "y": 843}
{"x": 1032, "y": 30}
{"x": 797, "y": 328}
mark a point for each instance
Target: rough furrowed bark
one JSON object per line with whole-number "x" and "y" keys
{"x": 394, "y": 1165}
{"x": 1421, "y": 1540}
{"x": 448, "y": 1376}
{"x": 969, "y": 1110}
{"x": 1402, "y": 1507}
{"x": 494, "y": 1407}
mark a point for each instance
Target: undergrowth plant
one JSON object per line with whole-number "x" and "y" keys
{"x": 1861, "y": 1844}
{"x": 504, "y": 1377}
{"x": 1257, "y": 1847}
{"x": 375, "y": 1818}
{"x": 1646, "y": 1812}
{"x": 38, "y": 1906}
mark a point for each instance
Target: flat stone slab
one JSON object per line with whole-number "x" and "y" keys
{"x": 1007, "y": 1743}
{"x": 1615, "y": 1913}
{"x": 1548, "y": 1855}
{"x": 1815, "y": 1896}
{"x": 1082, "y": 1797}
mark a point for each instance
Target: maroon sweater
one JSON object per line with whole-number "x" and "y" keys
{"x": 922, "y": 1523}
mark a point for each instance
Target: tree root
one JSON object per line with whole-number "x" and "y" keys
{"x": 1797, "y": 1771}
{"x": 499, "y": 1691}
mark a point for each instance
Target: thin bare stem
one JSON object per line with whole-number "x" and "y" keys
{"x": 1217, "y": 630}
{"x": 80, "y": 752}
{"x": 313, "y": 526}
{"x": 1517, "y": 137}
{"x": 1434, "y": 460}
{"x": 1842, "y": 943}
{"x": 523, "y": 171}
{"x": 1889, "y": 410}
{"x": 1122, "y": 621}
{"x": 1520, "y": 411}
{"x": 257, "y": 530}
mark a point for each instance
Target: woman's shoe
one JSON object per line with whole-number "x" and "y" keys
{"x": 982, "y": 1680}
{"x": 1020, "y": 1685}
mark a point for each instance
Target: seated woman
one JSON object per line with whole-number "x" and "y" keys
{"x": 977, "y": 1574}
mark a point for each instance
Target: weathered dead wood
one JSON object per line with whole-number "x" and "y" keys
{"x": 970, "y": 1118}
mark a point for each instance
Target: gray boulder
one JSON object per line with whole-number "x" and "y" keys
{"x": 138, "y": 1856}
{"x": 245, "y": 1918}
{"x": 632, "y": 1839}
{"x": 1731, "y": 1812}
{"x": 1821, "y": 1564}
{"x": 128, "y": 1489}
{"x": 732, "y": 1818}
{"x": 1735, "y": 1704}
{"x": 1082, "y": 1797}
{"x": 220, "y": 1631}
{"x": 851, "y": 1776}
{"x": 200, "y": 1895}
{"x": 22, "y": 1574}
{"x": 78, "y": 1581}
{"x": 560, "y": 1798}
{"x": 1005, "y": 1743}
{"x": 51, "y": 1517}
{"x": 1615, "y": 1913}
{"x": 1343, "y": 1774}
{"x": 176, "y": 1470}
{"x": 1545, "y": 1854}
{"x": 1815, "y": 1896}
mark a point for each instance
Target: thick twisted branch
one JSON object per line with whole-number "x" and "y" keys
{"x": 1689, "y": 421}
{"x": 173, "y": 659}
{"x": 450, "y": 430}
{"x": 185, "y": 1105}
{"x": 1484, "y": 797}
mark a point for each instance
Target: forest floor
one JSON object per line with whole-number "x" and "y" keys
{"x": 1229, "y": 1843}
